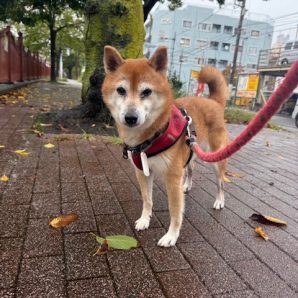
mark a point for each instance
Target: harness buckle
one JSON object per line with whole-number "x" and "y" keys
{"x": 189, "y": 120}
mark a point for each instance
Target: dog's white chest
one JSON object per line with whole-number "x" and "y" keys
{"x": 159, "y": 164}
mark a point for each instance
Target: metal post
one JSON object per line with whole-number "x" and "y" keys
{"x": 239, "y": 29}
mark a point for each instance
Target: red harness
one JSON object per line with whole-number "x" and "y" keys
{"x": 160, "y": 142}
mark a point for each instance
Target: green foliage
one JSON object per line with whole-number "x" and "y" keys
{"x": 177, "y": 86}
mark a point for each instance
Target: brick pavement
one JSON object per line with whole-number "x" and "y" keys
{"x": 217, "y": 254}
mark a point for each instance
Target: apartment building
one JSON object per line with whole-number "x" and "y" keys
{"x": 200, "y": 35}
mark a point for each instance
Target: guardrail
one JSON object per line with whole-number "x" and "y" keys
{"x": 18, "y": 64}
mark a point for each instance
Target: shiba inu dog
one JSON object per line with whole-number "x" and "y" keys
{"x": 138, "y": 94}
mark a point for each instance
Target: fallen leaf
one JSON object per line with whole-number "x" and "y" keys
{"x": 226, "y": 179}
{"x": 93, "y": 125}
{"x": 63, "y": 220}
{"x": 118, "y": 241}
{"x": 46, "y": 124}
{"x": 49, "y": 146}
{"x": 268, "y": 144}
{"x": 4, "y": 178}
{"x": 104, "y": 248}
{"x": 271, "y": 183}
{"x": 265, "y": 219}
{"x": 22, "y": 152}
{"x": 38, "y": 132}
{"x": 233, "y": 174}
{"x": 2, "y": 146}
{"x": 260, "y": 231}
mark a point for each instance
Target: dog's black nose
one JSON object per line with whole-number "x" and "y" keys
{"x": 131, "y": 118}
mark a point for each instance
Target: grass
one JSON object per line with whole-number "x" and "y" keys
{"x": 113, "y": 140}
{"x": 36, "y": 125}
{"x": 87, "y": 136}
{"x": 238, "y": 116}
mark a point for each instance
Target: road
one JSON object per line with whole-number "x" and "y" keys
{"x": 285, "y": 121}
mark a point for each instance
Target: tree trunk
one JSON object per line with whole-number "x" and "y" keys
{"x": 53, "y": 35}
{"x": 120, "y": 24}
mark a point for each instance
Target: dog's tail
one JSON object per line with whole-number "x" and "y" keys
{"x": 218, "y": 89}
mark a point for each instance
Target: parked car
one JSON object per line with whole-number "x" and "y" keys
{"x": 290, "y": 52}
{"x": 295, "y": 114}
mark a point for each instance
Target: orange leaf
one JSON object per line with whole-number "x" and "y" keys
{"x": 63, "y": 220}
{"x": 261, "y": 233}
{"x": 4, "y": 178}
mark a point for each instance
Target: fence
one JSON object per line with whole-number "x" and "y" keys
{"x": 17, "y": 64}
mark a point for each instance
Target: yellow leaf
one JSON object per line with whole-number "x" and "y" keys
{"x": 233, "y": 174}
{"x": 4, "y": 178}
{"x": 46, "y": 124}
{"x": 22, "y": 152}
{"x": 49, "y": 146}
{"x": 63, "y": 220}
{"x": 93, "y": 125}
{"x": 2, "y": 146}
{"x": 261, "y": 233}
{"x": 226, "y": 179}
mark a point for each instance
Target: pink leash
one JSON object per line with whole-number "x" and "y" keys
{"x": 280, "y": 95}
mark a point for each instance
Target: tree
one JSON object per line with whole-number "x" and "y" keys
{"x": 50, "y": 12}
{"x": 120, "y": 24}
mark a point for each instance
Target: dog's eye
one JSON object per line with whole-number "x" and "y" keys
{"x": 121, "y": 91}
{"x": 146, "y": 92}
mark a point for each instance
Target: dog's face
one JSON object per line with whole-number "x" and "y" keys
{"x": 135, "y": 90}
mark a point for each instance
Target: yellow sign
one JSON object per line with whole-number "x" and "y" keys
{"x": 194, "y": 74}
{"x": 253, "y": 81}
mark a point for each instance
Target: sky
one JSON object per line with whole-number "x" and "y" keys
{"x": 284, "y": 12}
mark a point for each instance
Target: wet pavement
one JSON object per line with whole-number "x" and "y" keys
{"x": 218, "y": 253}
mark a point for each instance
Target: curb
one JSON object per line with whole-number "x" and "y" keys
{"x": 5, "y": 88}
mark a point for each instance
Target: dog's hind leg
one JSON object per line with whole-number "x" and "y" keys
{"x": 146, "y": 185}
{"x": 173, "y": 181}
{"x": 218, "y": 139}
{"x": 188, "y": 177}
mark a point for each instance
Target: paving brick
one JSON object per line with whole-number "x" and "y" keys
{"x": 41, "y": 277}
{"x": 45, "y": 205}
{"x": 238, "y": 294}
{"x": 74, "y": 192}
{"x": 86, "y": 221}
{"x": 183, "y": 283}
{"x": 212, "y": 270}
{"x": 125, "y": 192}
{"x": 105, "y": 202}
{"x": 89, "y": 288}
{"x": 264, "y": 282}
{"x": 42, "y": 240}
{"x": 80, "y": 261}
{"x": 7, "y": 293}
{"x": 10, "y": 254}
{"x": 71, "y": 174}
{"x": 133, "y": 211}
{"x": 13, "y": 220}
{"x": 114, "y": 224}
{"x": 187, "y": 234}
{"x": 132, "y": 274}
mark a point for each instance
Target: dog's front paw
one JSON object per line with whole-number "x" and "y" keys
{"x": 219, "y": 203}
{"x": 169, "y": 239}
{"x": 186, "y": 187}
{"x": 142, "y": 223}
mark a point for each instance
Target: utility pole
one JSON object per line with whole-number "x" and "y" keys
{"x": 239, "y": 29}
{"x": 172, "y": 54}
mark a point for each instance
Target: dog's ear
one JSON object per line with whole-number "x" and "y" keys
{"x": 111, "y": 59}
{"x": 159, "y": 60}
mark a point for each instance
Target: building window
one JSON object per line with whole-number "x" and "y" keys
{"x": 288, "y": 46}
{"x": 240, "y": 48}
{"x": 166, "y": 21}
{"x": 252, "y": 51}
{"x": 255, "y": 33}
{"x": 185, "y": 42}
{"x": 295, "y": 45}
{"x": 223, "y": 63}
{"x": 163, "y": 36}
{"x": 225, "y": 47}
{"x": 200, "y": 61}
{"x": 216, "y": 28}
{"x": 228, "y": 29}
{"x": 204, "y": 27}
{"x": 183, "y": 58}
{"x": 202, "y": 44}
{"x": 251, "y": 66}
{"x": 187, "y": 24}
{"x": 212, "y": 61}
{"x": 214, "y": 45}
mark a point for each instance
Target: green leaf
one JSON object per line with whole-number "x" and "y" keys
{"x": 121, "y": 242}
{"x": 99, "y": 239}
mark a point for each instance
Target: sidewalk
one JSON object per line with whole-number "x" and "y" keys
{"x": 217, "y": 254}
